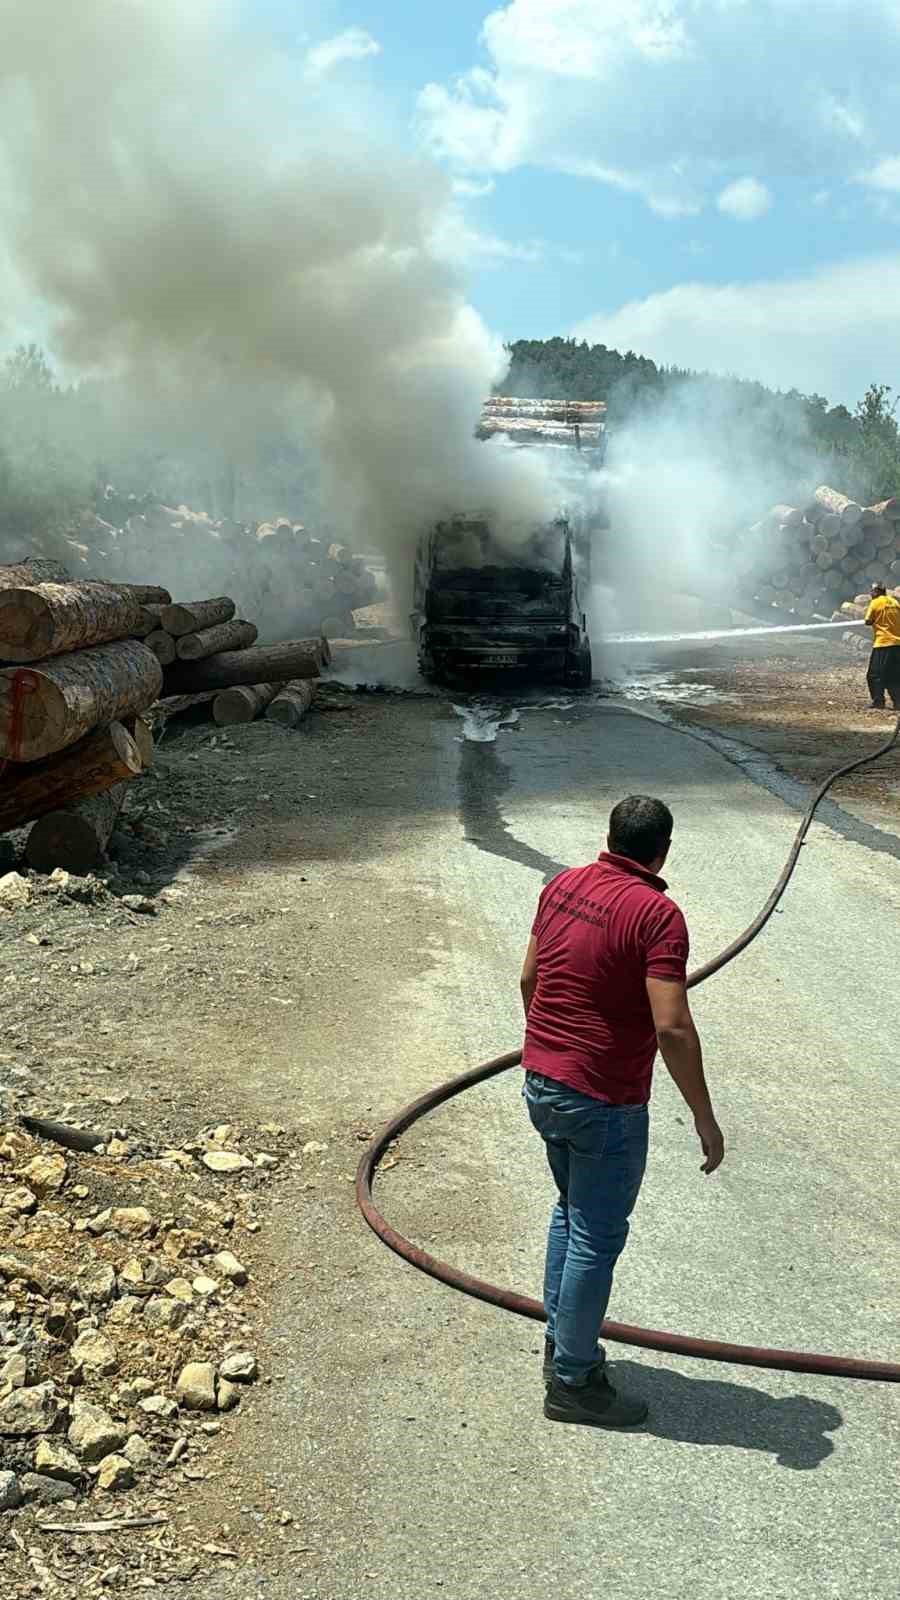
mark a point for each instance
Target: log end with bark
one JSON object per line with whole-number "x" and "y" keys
{"x": 105, "y": 757}
{"x": 291, "y": 703}
{"x": 234, "y": 635}
{"x": 53, "y": 618}
{"x": 191, "y": 616}
{"x": 75, "y": 838}
{"x": 51, "y": 704}
{"x": 243, "y": 703}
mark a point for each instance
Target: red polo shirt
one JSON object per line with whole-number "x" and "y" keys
{"x": 601, "y": 931}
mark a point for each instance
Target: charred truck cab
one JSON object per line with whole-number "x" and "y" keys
{"x": 479, "y": 607}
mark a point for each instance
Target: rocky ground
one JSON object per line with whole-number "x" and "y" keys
{"x": 134, "y": 1276}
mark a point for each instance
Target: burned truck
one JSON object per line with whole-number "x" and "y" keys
{"x": 481, "y": 605}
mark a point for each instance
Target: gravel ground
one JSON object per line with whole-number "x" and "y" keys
{"x": 341, "y": 913}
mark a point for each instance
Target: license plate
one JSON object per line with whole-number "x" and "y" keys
{"x": 502, "y": 659}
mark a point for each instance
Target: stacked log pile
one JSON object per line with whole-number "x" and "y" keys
{"x": 307, "y": 584}
{"x": 81, "y": 679}
{"x": 809, "y": 560}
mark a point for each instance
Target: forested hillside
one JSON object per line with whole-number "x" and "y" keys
{"x": 863, "y": 445}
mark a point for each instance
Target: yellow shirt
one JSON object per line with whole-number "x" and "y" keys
{"x": 884, "y": 616}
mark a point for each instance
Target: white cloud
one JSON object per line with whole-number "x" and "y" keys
{"x": 353, "y": 44}
{"x": 834, "y": 331}
{"x": 675, "y": 99}
{"x": 473, "y": 188}
{"x": 455, "y": 240}
{"x": 886, "y": 175}
{"x": 746, "y": 200}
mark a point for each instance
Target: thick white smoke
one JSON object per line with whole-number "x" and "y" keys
{"x": 682, "y": 479}
{"x": 180, "y": 205}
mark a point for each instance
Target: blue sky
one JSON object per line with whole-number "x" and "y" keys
{"x": 715, "y": 182}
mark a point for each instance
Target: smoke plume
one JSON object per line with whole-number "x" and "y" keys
{"x": 182, "y": 207}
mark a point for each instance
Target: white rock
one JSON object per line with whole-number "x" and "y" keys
{"x": 45, "y": 1174}
{"x": 135, "y": 1222}
{"x": 124, "y": 1311}
{"x": 314, "y": 1147}
{"x": 240, "y": 1367}
{"x": 14, "y": 1372}
{"x": 10, "y": 1491}
{"x": 92, "y": 1432}
{"x": 95, "y": 1353}
{"x": 20, "y": 1201}
{"x": 138, "y": 1451}
{"x": 230, "y": 1267}
{"x": 265, "y": 1161}
{"x": 205, "y": 1287}
{"x": 180, "y": 1289}
{"x": 15, "y": 892}
{"x": 227, "y": 1395}
{"x": 158, "y": 1405}
{"x": 163, "y": 1312}
{"x": 196, "y": 1387}
{"x": 53, "y": 1460}
{"x": 96, "y": 1283}
{"x": 132, "y": 1272}
{"x": 116, "y": 1472}
{"x": 27, "y": 1412}
{"x": 225, "y": 1161}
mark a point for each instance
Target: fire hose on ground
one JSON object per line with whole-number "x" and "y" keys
{"x": 678, "y": 1344}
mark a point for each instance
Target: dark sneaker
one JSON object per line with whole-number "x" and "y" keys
{"x": 596, "y": 1405}
{"x": 549, "y": 1352}
{"x": 875, "y": 707}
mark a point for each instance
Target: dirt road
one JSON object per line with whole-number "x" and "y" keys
{"x": 355, "y": 935}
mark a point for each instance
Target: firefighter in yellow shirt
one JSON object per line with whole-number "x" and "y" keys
{"x": 883, "y": 616}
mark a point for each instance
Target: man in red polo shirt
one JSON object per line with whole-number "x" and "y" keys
{"x": 604, "y": 987}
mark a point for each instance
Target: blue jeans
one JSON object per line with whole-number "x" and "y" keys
{"x": 597, "y": 1154}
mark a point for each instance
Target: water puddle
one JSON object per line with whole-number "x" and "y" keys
{"x": 482, "y": 723}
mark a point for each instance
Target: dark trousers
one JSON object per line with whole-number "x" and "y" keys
{"x": 884, "y": 674}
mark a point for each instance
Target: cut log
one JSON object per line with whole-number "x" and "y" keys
{"x": 75, "y": 838}
{"x": 886, "y": 508}
{"x": 48, "y": 706}
{"x": 242, "y": 703}
{"x": 95, "y": 763}
{"x": 273, "y": 663}
{"x": 148, "y": 621}
{"x": 146, "y": 594}
{"x": 142, "y": 734}
{"x": 194, "y": 615}
{"x": 163, "y": 646}
{"x": 25, "y": 574}
{"x": 54, "y": 618}
{"x": 235, "y": 635}
{"x": 840, "y": 505}
{"x": 291, "y": 704}
{"x": 884, "y": 534}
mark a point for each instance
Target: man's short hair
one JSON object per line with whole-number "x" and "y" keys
{"x": 640, "y": 828}
{"x": 878, "y": 588}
